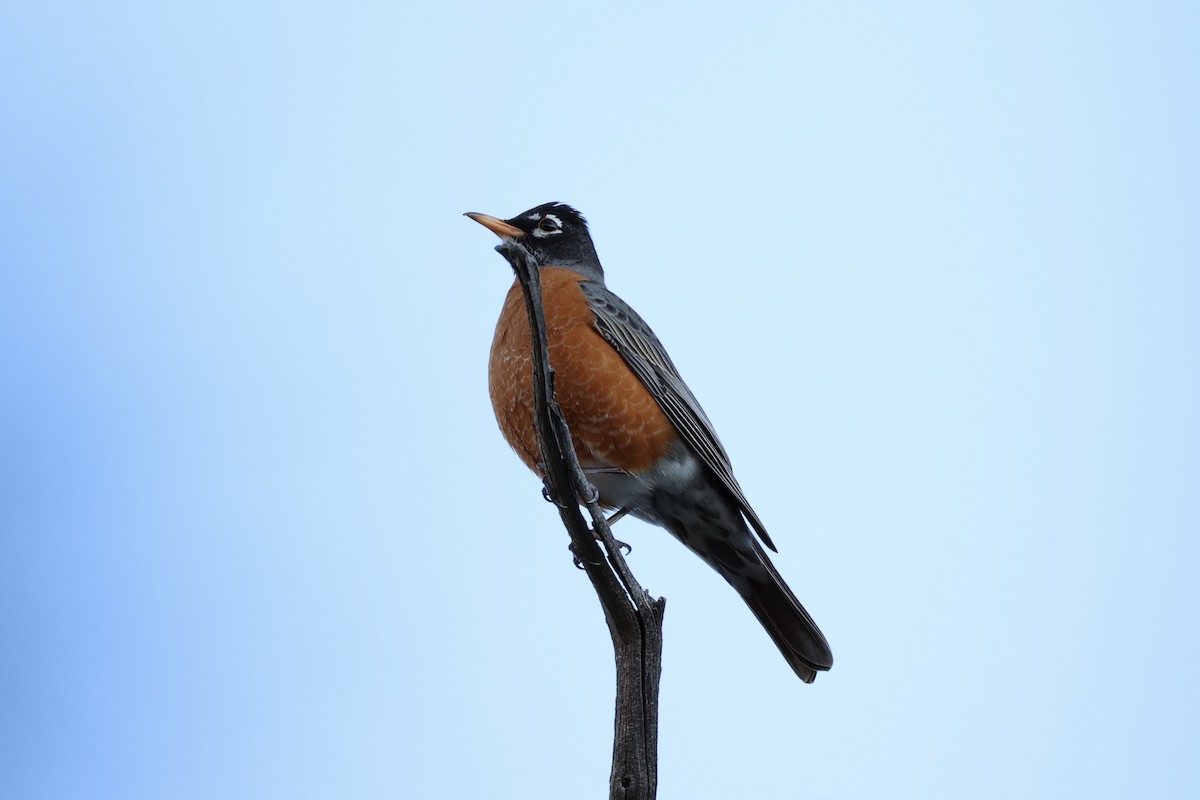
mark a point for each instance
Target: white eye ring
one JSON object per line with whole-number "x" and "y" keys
{"x": 548, "y": 226}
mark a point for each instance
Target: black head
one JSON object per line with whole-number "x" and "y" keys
{"x": 555, "y": 233}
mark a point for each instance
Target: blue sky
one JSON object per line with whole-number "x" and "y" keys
{"x": 932, "y": 270}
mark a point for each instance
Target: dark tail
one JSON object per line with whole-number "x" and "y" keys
{"x": 790, "y": 626}
{"x": 724, "y": 541}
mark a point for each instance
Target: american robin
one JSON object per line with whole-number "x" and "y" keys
{"x": 639, "y": 432}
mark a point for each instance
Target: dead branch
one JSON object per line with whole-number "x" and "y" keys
{"x": 634, "y": 617}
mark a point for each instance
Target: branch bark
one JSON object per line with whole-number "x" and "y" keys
{"x": 634, "y": 617}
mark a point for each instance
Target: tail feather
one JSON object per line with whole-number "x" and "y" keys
{"x": 736, "y": 555}
{"x": 790, "y": 626}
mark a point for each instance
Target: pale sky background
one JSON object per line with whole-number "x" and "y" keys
{"x": 933, "y": 270}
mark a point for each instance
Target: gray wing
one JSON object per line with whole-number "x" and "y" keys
{"x": 630, "y": 336}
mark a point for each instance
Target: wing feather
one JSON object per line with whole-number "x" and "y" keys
{"x": 632, "y": 338}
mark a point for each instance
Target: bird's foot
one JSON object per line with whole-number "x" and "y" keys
{"x": 577, "y": 561}
{"x": 547, "y": 493}
{"x": 626, "y": 548}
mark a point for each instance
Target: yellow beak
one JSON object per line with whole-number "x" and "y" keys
{"x": 496, "y": 226}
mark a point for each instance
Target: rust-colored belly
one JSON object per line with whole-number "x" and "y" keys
{"x": 614, "y": 419}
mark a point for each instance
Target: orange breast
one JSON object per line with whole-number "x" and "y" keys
{"x": 614, "y": 419}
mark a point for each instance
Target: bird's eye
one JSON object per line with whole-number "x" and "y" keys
{"x": 549, "y": 224}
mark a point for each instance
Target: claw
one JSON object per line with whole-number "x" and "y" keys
{"x": 625, "y": 546}
{"x": 547, "y": 494}
{"x": 577, "y": 561}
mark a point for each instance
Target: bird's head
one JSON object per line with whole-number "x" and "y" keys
{"x": 556, "y": 234}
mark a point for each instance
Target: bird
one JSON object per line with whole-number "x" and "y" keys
{"x": 641, "y": 436}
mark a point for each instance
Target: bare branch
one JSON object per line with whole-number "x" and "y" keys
{"x": 634, "y": 617}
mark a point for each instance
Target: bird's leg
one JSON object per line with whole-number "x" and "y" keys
{"x": 612, "y": 520}
{"x": 620, "y": 512}
{"x": 616, "y": 515}
{"x": 593, "y": 497}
